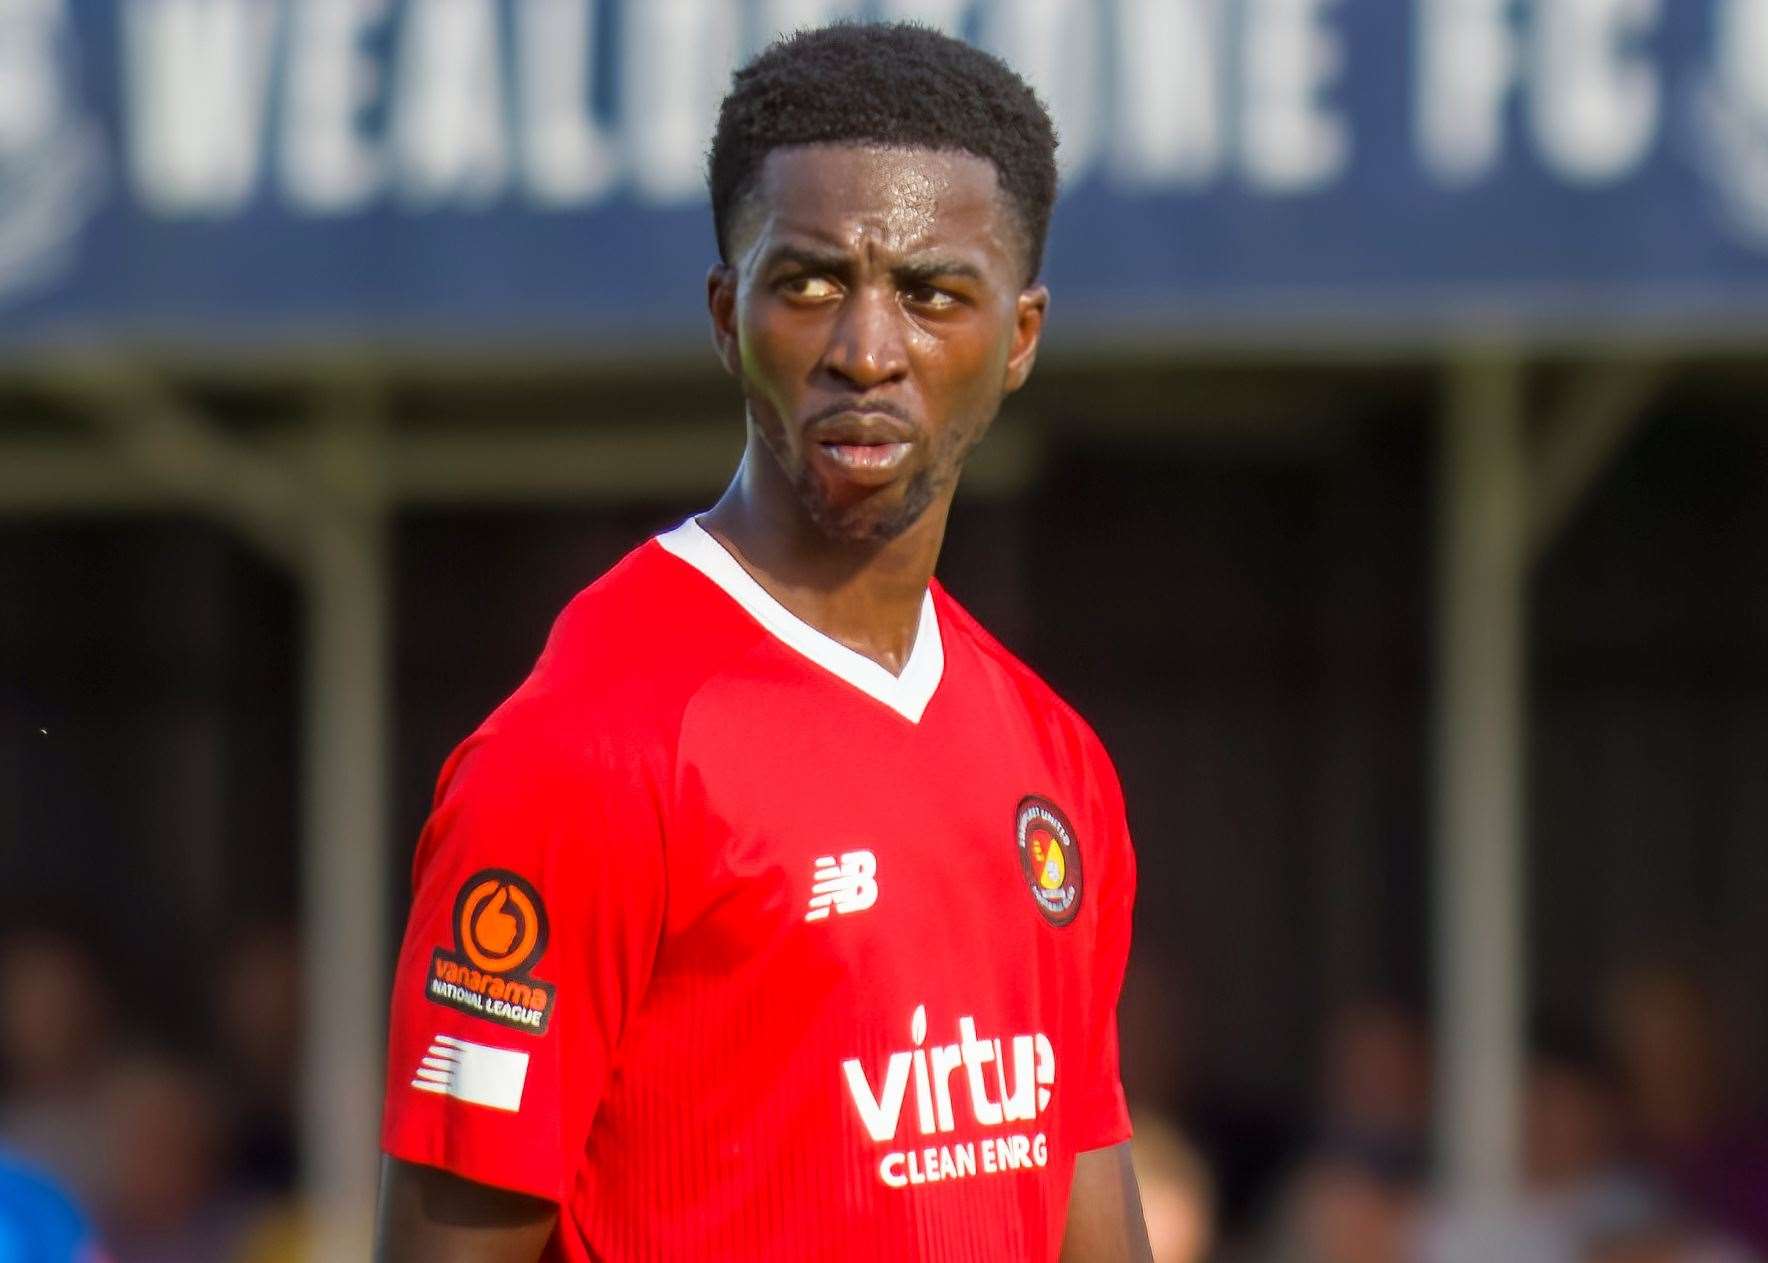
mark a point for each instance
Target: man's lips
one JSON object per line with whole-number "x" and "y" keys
{"x": 860, "y": 427}
{"x": 866, "y": 446}
{"x": 867, "y": 457}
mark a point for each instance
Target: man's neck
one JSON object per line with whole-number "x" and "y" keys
{"x": 866, "y": 595}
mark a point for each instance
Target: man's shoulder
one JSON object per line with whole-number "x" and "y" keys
{"x": 624, "y": 655}
{"x": 1035, "y": 693}
{"x": 1089, "y": 773}
{"x": 651, "y": 616}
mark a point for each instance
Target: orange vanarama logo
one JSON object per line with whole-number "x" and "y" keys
{"x": 499, "y": 927}
{"x": 1050, "y": 857}
{"x": 499, "y": 933}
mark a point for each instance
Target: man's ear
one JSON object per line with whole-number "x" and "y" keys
{"x": 721, "y": 303}
{"x": 1030, "y": 308}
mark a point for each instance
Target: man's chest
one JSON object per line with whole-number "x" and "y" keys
{"x": 853, "y": 841}
{"x": 878, "y": 937}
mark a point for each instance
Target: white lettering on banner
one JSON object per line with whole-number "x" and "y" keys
{"x": 1292, "y": 142}
{"x": 198, "y": 83}
{"x": 326, "y": 162}
{"x": 466, "y": 103}
{"x": 943, "y": 15}
{"x": 51, "y": 152}
{"x": 1171, "y": 120}
{"x": 1054, "y": 44}
{"x": 31, "y": 97}
{"x": 679, "y": 55}
{"x": 1018, "y": 1095}
{"x": 454, "y": 128}
{"x": 1595, "y": 96}
{"x": 1467, "y": 65}
{"x": 448, "y": 106}
{"x": 1741, "y": 42}
{"x": 782, "y": 17}
{"x": 1732, "y": 108}
{"x": 568, "y": 158}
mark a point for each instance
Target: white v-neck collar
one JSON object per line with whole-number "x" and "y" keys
{"x": 906, "y": 694}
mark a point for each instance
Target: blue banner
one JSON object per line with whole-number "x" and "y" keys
{"x": 423, "y": 172}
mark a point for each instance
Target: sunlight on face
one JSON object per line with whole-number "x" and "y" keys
{"x": 879, "y": 317}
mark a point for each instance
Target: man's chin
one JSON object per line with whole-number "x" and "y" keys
{"x": 872, "y": 519}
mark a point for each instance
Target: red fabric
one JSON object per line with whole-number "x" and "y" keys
{"x": 666, "y": 781}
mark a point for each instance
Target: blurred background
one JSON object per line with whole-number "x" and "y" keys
{"x": 1392, "y": 495}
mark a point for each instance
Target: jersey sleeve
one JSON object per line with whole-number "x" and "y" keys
{"x": 537, "y": 897}
{"x": 1104, "y": 1117}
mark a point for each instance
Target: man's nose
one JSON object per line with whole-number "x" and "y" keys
{"x": 866, "y": 345}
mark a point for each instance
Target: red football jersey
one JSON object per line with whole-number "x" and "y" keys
{"x": 738, "y": 946}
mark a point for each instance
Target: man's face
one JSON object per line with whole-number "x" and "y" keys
{"x": 876, "y": 313}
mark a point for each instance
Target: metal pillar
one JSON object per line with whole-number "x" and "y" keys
{"x": 344, "y": 855}
{"x": 1503, "y": 501}
{"x": 321, "y": 510}
{"x": 1480, "y": 950}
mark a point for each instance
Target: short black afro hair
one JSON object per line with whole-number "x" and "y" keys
{"x": 896, "y": 84}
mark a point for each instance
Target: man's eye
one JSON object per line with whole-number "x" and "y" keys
{"x": 929, "y": 297}
{"x": 811, "y": 287}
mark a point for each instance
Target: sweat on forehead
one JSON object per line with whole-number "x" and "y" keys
{"x": 902, "y": 197}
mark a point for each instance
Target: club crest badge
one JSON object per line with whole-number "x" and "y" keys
{"x": 1049, "y": 855}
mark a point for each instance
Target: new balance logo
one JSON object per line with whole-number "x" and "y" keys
{"x": 848, "y": 886}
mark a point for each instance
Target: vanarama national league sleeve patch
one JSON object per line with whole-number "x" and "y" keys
{"x": 499, "y": 928}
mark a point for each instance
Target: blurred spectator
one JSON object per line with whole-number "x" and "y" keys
{"x": 1376, "y": 1093}
{"x": 1244, "y": 1140}
{"x": 1691, "y": 1124}
{"x": 163, "y": 1201}
{"x": 282, "y": 1235}
{"x": 1355, "y": 1195}
{"x": 1150, "y": 1027}
{"x": 1178, "y": 1197}
{"x": 1571, "y": 1119}
{"x": 1576, "y": 1190}
{"x": 258, "y": 1025}
{"x": 38, "y": 1223}
{"x": 55, "y": 1024}
{"x": 1345, "y": 1206}
{"x": 1661, "y": 1243}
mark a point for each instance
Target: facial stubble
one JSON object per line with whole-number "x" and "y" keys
{"x": 861, "y": 522}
